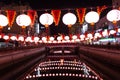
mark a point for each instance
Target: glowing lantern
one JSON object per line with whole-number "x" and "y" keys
{"x": 90, "y": 36}
{"x": 36, "y": 39}
{"x": 46, "y": 19}
{"x": 69, "y": 19}
{"x": 51, "y": 38}
{"x": 74, "y": 37}
{"x": 6, "y": 37}
{"x": 105, "y": 33}
{"x": 3, "y": 21}
{"x": 112, "y": 32}
{"x": 59, "y": 38}
{"x": 23, "y": 20}
{"x": 97, "y": 35}
{"x": 44, "y": 39}
{"x": 67, "y": 37}
{"x": 21, "y": 38}
{"x": 118, "y": 30}
{"x": 13, "y": 38}
{"x": 82, "y": 36}
{"x": 28, "y": 39}
{"x": 113, "y": 15}
{"x": 92, "y": 17}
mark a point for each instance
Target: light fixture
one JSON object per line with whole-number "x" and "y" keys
{"x": 92, "y": 17}
{"x": 69, "y": 19}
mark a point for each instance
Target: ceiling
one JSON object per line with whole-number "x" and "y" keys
{"x": 59, "y": 4}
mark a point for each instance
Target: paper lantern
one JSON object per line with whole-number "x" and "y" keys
{"x": 112, "y": 32}
{"x": 69, "y": 19}
{"x": 74, "y": 37}
{"x": 6, "y": 37}
{"x": 44, "y": 39}
{"x": 92, "y": 17}
{"x": 90, "y": 36}
{"x": 21, "y": 38}
{"x": 59, "y": 38}
{"x": 3, "y": 20}
{"x": 13, "y": 38}
{"x": 23, "y": 20}
{"x": 46, "y": 19}
{"x": 97, "y": 35}
{"x": 36, "y": 39}
{"x": 52, "y": 38}
{"x": 67, "y": 37}
{"x": 113, "y": 15}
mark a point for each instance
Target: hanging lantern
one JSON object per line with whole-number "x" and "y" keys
{"x": 21, "y": 38}
{"x": 52, "y": 38}
{"x": 23, "y": 20}
{"x": 67, "y": 37}
{"x": 97, "y": 35}
{"x": 46, "y": 19}
{"x": 3, "y": 21}
{"x": 36, "y": 39}
{"x": 92, "y": 17}
{"x": 44, "y": 39}
{"x": 112, "y": 32}
{"x": 13, "y": 38}
{"x": 69, "y": 19}
{"x": 113, "y": 15}
{"x": 74, "y": 37}
{"x": 28, "y": 39}
{"x": 6, "y": 37}
{"x": 90, "y": 36}
{"x": 59, "y": 38}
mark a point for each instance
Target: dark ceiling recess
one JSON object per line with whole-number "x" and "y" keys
{"x": 59, "y": 4}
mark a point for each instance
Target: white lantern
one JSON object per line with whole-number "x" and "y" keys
{"x": 51, "y": 38}
{"x": 6, "y": 37}
{"x": 46, "y": 19}
{"x": 92, "y": 17}
{"x": 118, "y": 30}
{"x": 59, "y": 38}
{"x": 67, "y": 37}
{"x": 112, "y": 32}
{"x": 97, "y": 35}
{"x": 23, "y": 20}
{"x": 36, "y": 39}
{"x": 21, "y": 38}
{"x": 3, "y": 20}
{"x": 69, "y": 19}
{"x": 28, "y": 39}
{"x": 44, "y": 39}
{"x": 82, "y": 36}
{"x": 13, "y": 38}
{"x": 113, "y": 15}
{"x": 74, "y": 37}
{"x": 90, "y": 36}
{"x": 105, "y": 33}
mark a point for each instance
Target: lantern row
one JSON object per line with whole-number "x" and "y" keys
{"x": 47, "y": 19}
{"x": 62, "y": 39}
